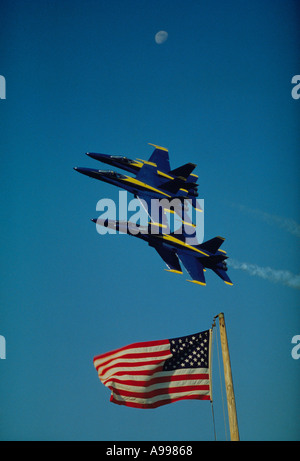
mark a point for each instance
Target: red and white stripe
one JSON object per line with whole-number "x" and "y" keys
{"x": 135, "y": 376}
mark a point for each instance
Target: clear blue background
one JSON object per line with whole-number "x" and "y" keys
{"x": 88, "y": 76}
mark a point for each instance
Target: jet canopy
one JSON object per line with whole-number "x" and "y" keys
{"x": 114, "y": 174}
{"x": 120, "y": 157}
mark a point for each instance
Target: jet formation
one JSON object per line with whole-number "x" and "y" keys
{"x": 154, "y": 179}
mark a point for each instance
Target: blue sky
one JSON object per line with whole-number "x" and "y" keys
{"x": 89, "y": 76}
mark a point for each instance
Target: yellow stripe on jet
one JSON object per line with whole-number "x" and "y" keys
{"x": 160, "y": 173}
{"x": 188, "y": 224}
{"x": 141, "y": 162}
{"x": 168, "y": 210}
{"x": 185, "y": 245}
{"x": 158, "y": 147}
{"x": 146, "y": 186}
{"x": 174, "y": 271}
{"x": 137, "y": 164}
{"x": 147, "y": 163}
{"x": 152, "y": 223}
{"x": 197, "y": 281}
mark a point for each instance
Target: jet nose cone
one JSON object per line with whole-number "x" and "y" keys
{"x": 96, "y": 174}
{"x": 104, "y": 222}
{"x": 88, "y": 172}
{"x": 80, "y": 170}
{"x": 95, "y": 156}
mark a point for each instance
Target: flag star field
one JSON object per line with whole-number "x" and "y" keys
{"x": 191, "y": 351}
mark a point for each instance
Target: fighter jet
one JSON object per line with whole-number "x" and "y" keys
{"x": 173, "y": 248}
{"x": 158, "y": 159}
{"x": 146, "y": 186}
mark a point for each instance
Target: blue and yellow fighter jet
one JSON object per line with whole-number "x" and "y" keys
{"x": 159, "y": 159}
{"x": 148, "y": 185}
{"x": 173, "y": 247}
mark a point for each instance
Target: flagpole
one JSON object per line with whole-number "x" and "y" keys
{"x": 232, "y": 415}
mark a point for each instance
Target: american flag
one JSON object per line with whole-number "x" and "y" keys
{"x": 154, "y": 373}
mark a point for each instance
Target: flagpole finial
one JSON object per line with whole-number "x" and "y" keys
{"x": 221, "y": 315}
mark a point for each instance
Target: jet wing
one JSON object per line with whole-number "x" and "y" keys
{"x": 170, "y": 258}
{"x": 194, "y": 268}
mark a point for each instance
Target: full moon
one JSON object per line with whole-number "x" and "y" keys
{"x": 161, "y": 37}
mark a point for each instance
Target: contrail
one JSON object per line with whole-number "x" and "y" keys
{"x": 287, "y": 224}
{"x": 273, "y": 275}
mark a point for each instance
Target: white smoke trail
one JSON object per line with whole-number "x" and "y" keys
{"x": 287, "y": 224}
{"x": 273, "y": 275}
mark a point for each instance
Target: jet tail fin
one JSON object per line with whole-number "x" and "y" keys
{"x": 183, "y": 171}
{"x": 160, "y": 157}
{"x": 212, "y": 245}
